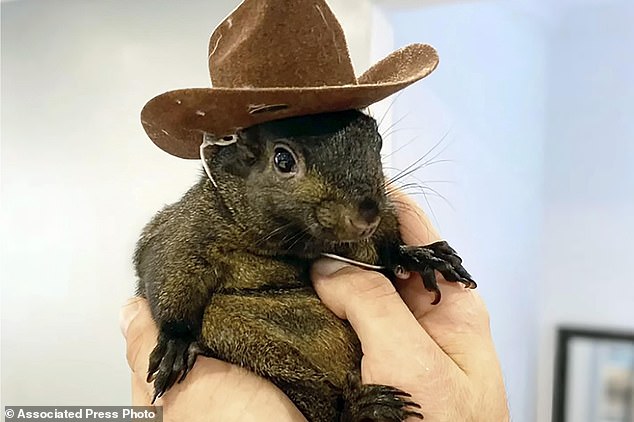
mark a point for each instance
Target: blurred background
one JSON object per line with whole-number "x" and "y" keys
{"x": 531, "y": 177}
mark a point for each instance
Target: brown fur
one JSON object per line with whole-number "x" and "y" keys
{"x": 226, "y": 270}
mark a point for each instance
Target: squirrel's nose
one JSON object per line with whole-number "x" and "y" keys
{"x": 369, "y": 210}
{"x": 367, "y": 219}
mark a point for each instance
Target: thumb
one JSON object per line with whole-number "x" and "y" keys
{"x": 341, "y": 286}
{"x": 382, "y": 321}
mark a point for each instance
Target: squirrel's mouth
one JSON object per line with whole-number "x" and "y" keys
{"x": 350, "y": 231}
{"x": 314, "y": 239}
{"x": 340, "y": 222}
{"x": 351, "y": 235}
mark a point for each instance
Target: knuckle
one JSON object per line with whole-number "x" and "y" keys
{"x": 481, "y": 308}
{"x": 372, "y": 286}
{"x": 478, "y": 310}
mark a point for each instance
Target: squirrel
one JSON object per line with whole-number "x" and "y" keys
{"x": 226, "y": 268}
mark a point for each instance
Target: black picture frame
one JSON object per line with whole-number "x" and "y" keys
{"x": 565, "y": 335}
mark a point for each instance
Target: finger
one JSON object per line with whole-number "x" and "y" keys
{"x": 230, "y": 392}
{"x": 459, "y": 305}
{"x": 212, "y": 384}
{"x": 416, "y": 229}
{"x": 460, "y": 309}
{"x": 380, "y": 318}
{"x": 140, "y": 333}
{"x": 459, "y": 324}
{"x": 461, "y": 329}
{"x": 141, "y": 392}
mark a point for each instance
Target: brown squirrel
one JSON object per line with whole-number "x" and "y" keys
{"x": 226, "y": 269}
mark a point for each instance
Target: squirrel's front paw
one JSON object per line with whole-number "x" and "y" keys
{"x": 374, "y": 402}
{"x": 172, "y": 357}
{"x": 439, "y": 257}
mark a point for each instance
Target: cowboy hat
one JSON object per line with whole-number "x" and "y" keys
{"x": 272, "y": 59}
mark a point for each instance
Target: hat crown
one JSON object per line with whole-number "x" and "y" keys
{"x": 280, "y": 44}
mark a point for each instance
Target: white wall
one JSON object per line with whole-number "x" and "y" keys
{"x": 487, "y": 97}
{"x": 80, "y": 177}
{"x": 589, "y": 174}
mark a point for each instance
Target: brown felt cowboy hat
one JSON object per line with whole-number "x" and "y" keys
{"x": 272, "y": 59}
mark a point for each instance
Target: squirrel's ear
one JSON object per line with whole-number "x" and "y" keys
{"x": 248, "y": 149}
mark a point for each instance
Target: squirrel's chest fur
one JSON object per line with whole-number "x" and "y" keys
{"x": 268, "y": 303}
{"x": 247, "y": 271}
{"x": 244, "y": 271}
{"x": 259, "y": 310}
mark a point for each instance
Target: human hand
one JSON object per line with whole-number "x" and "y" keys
{"x": 443, "y": 355}
{"x": 213, "y": 390}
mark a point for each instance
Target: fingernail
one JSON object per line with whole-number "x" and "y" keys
{"x": 127, "y": 314}
{"x": 327, "y": 267}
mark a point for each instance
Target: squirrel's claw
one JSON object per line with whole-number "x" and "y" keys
{"x": 171, "y": 360}
{"x": 374, "y": 402}
{"x": 193, "y": 351}
{"x": 439, "y": 257}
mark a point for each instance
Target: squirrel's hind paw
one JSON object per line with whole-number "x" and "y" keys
{"x": 171, "y": 360}
{"x": 374, "y": 402}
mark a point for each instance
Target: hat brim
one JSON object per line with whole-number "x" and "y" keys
{"x": 177, "y": 120}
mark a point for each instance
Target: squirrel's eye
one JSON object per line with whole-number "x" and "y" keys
{"x": 284, "y": 160}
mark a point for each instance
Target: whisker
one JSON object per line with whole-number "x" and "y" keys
{"x": 401, "y": 147}
{"x": 292, "y": 236}
{"x": 448, "y": 182}
{"x": 437, "y": 194}
{"x": 389, "y": 108}
{"x": 401, "y": 129}
{"x": 393, "y": 125}
{"x": 302, "y": 235}
{"x": 421, "y": 159}
{"x": 416, "y": 187}
{"x": 411, "y": 171}
{"x": 273, "y": 233}
{"x": 426, "y": 191}
{"x": 431, "y": 209}
{"x": 400, "y": 205}
{"x": 392, "y": 189}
